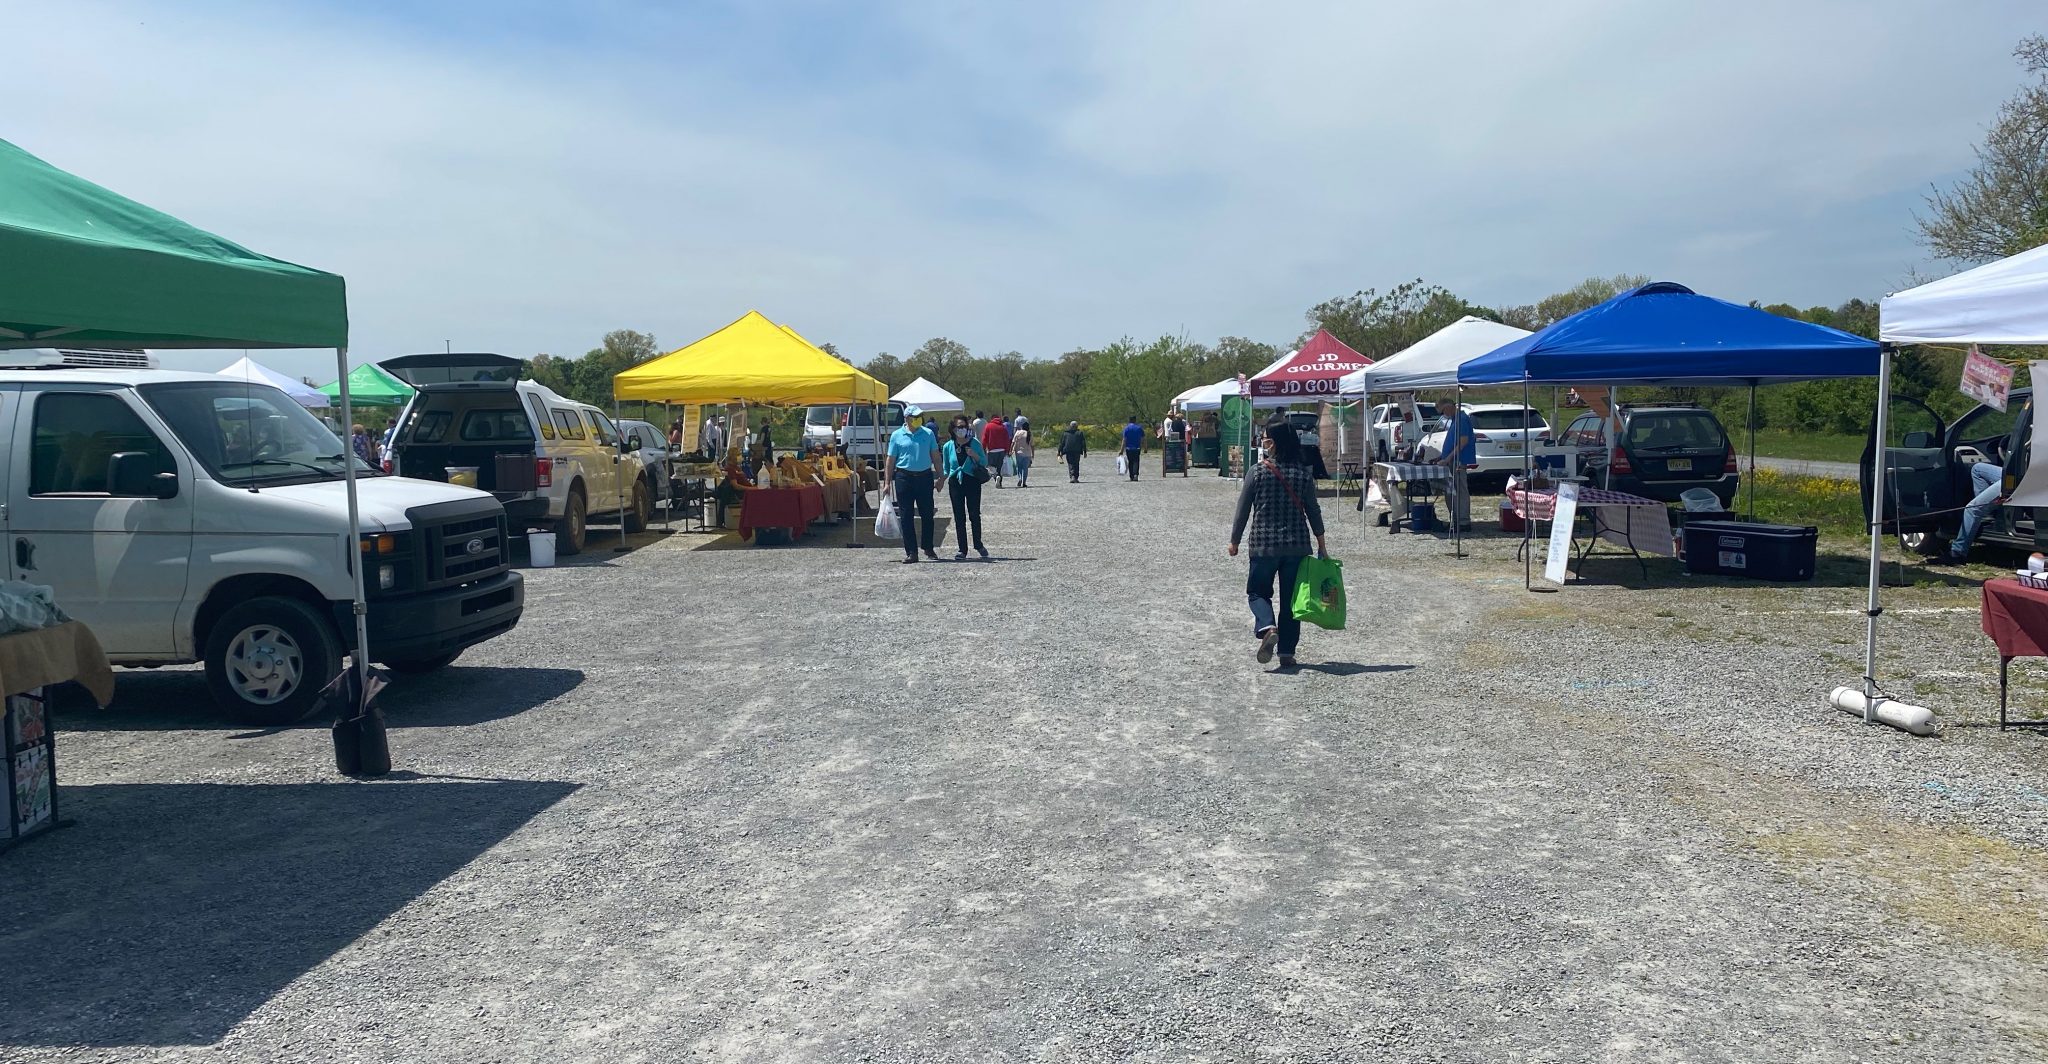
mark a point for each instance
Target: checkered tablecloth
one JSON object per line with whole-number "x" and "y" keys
{"x": 1542, "y": 505}
{"x": 1404, "y": 471}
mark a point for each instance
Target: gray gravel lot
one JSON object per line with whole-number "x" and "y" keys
{"x": 807, "y": 803}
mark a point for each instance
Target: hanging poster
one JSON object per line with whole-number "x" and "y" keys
{"x": 32, "y": 789}
{"x": 1986, "y": 379}
{"x": 1561, "y": 532}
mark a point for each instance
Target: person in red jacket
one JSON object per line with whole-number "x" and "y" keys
{"x": 995, "y": 439}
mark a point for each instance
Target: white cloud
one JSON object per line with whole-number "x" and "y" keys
{"x": 1033, "y": 178}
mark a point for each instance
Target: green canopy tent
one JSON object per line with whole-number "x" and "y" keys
{"x": 371, "y": 385}
{"x": 87, "y": 267}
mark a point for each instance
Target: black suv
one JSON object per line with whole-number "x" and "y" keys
{"x": 1662, "y": 452}
{"x": 1930, "y": 465}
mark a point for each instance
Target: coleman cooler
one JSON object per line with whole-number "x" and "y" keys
{"x": 1760, "y": 552}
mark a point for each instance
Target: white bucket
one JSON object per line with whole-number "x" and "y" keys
{"x": 540, "y": 549}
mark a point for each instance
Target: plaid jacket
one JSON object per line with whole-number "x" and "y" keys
{"x": 1278, "y": 529}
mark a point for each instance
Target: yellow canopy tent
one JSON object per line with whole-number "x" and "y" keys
{"x": 753, "y": 360}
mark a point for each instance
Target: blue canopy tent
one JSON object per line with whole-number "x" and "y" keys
{"x": 1666, "y": 334}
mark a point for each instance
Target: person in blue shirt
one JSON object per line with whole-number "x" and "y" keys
{"x": 1462, "y": 448}
{"x": 909, "y": 473}
{"x": 1134, "y": 441}
{"x": 966, "y": 471}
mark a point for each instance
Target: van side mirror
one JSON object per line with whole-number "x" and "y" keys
{"x": 1920, "y": 440}
{"x": 133, "y": 475}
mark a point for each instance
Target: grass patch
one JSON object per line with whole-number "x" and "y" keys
{"x": 1805, "y": 446}
{"x": 1834, "y": 506}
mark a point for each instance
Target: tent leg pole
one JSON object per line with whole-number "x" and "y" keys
{"x": 355, "y": 536}
{"x": 1528, "y": 511}
{"x": 1458, "y": 480}
{"x": 668, "y": 511}
{"x": 1752, "y": 452}
{"x": 619, "y": 459}
{"x": 1880, "y": 463}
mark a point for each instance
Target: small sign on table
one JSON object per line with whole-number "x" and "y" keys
{"x": 1561, "y": 532}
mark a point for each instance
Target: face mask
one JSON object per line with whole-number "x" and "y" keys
{"x": 916, "y": 423}
{"x": 960, "y": 433}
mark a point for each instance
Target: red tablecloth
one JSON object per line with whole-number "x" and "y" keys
{"x": 790, "y": 508}
{"x": 1541, "y": 505}
{"x": 2016, "y": 618}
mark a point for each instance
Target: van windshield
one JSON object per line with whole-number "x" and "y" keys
{"x": 245, "y": 433}
{"x": 821, "y": 415}
{"x": 892, "y": 416}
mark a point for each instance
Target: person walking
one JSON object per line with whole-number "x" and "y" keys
{"x": 363, "y": 445}
{"x": 1022, "y": 450}
{"x": 966, "y": 471}
{"x": 976, "y": 426}
{"x": 995, "y": 441}
{"x": 909, "y": 471}
{"x": 1134, "y": 444}
{"x": 1278, "y": 502}
{"x": 1073, "y": 444}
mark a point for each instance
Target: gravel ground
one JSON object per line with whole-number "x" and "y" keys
{"x": 807, "y": 803}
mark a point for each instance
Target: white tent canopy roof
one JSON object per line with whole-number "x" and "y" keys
{"x": 1208, "y": 396}
{"x": 1433, "y": 361}
{"x": 247, "y": 369}
{"x": 2003, "y": 302}
{"x": 924, "y": 393}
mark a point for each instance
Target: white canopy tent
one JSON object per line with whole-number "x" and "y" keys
{"x": 2003, "y": 302}
{"x": 1208, "y": 396}
{"x": 924, "y": 393}
{"x": 248, "y": 369}
{"x": 1431, "y": 362}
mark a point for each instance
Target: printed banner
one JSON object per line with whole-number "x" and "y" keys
{"x": 1985, "y": 379}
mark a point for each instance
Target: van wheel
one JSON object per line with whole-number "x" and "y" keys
{"x": 416, "y": 666}
{"x": 268, "y": 658}
{"x": 574, "y": 525}
{"x": 636, "y": 517}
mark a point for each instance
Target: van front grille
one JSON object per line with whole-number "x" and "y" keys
{"x": 462, "y": 550}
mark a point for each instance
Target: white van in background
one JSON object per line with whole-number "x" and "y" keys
{"x": 857, "y": 437}
{"x": 190, "y": 517}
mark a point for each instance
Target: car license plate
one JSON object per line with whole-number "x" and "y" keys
{"x": 1679, "y": 465}
{"x": 1511, "y": 446}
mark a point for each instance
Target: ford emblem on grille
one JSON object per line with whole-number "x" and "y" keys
{"x": 474, "y": 546}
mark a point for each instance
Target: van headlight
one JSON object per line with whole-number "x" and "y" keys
{"x": 387, "y": 577}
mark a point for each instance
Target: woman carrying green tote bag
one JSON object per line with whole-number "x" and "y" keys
{"x": 1278, "y": 502}
{"x": 1319, "y": 593}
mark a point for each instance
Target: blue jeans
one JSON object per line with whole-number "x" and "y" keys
{"x": 1259, "y": 590}
{"x": 1023, "y": 469}
{"x": 1988, "y": 479}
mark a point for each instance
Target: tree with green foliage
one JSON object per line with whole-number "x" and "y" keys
{"x": 1125, "y": 379}
{"x": 1377, "y": 324}
{"x": 940, "y": 361}
{"x": 888, "y": 369}
{"x": 1552, "y": 309}
{"x": 2000, "y": 207}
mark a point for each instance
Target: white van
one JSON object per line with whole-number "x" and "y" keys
{"x": 553, "y": 462}
{"x": 192, "y": 517}
{"x": 857, "y": 437}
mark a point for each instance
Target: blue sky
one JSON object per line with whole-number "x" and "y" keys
{"x": 522, "y": 177}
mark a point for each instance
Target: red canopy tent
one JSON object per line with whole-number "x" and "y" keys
{"x": 1310, "y": 372}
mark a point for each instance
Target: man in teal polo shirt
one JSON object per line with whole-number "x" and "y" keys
{"x": 913, "y": 456}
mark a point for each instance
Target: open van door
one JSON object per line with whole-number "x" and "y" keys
{"x": 461, "y": 369}
{"x": 1920, "y": 485}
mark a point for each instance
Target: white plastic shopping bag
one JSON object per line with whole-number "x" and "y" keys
{"x": 1123, "y": 466}
{"x": 1373, "y": 495}
{"x": 885, "y": 516}
{"x": 1009, "y": 465}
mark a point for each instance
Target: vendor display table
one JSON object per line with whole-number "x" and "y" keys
{"x": 790, "y": 508}
{"x": 2016, "y": 618}
{"x": 1632, "y": 522}
{"x": 839, "y": 493}
{"x": 30, "y": 664}
{"x": 1409, "y": 483}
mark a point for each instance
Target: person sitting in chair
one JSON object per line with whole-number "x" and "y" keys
{"x": 1989, "y": 480}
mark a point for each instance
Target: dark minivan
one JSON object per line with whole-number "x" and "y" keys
{"x": 1662, "y": 452}
{"x": 1930, "y": 465}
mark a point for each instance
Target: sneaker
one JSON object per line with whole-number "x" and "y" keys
{"x": 960, "y": 556}
{"x": 1266, "y": 642}
{"x": 932, "y": 554}
{"x": 1945, "y": 558}
{"x": 983, "y": 551}
{"x": 1286, "y": 661}
{"x": 910, "y": 559}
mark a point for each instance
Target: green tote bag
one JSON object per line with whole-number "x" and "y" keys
{"x": 1319, "y": 593}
